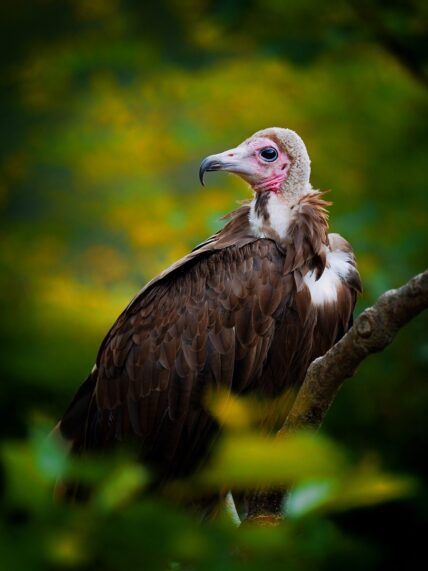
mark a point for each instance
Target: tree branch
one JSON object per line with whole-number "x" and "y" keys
{"x": 372, "y": 331}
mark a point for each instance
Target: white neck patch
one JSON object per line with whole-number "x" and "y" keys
{"x": 274, "y": 220}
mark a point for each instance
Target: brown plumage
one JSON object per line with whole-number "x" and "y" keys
{"x": 241, "y": 311}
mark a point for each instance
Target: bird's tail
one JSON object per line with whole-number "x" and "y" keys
{"x": 72, "y": 430}
{"x": 73, "y": 426}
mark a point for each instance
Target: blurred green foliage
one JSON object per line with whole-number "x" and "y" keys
{"x": 107, "y": 108}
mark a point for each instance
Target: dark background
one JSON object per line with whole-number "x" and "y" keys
{"x": 107, "y": 108}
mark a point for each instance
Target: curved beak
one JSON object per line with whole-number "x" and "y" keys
{"x": 230, "y": 161}
{"x": 212, "y": 163}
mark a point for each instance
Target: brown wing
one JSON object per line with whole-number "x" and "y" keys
{"x": 234, "y": 312}
{"x": 211, "y": 324}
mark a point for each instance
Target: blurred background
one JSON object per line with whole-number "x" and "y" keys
{"x": 108, "y": 107}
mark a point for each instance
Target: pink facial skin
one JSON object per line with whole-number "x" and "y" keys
{"x": 270, "y": 184}
{"x": 246, "y": 161}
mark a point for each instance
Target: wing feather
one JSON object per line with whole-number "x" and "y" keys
{"x": 211, "y": 325}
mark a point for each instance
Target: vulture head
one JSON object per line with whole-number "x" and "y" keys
{"x": 273, "y": 159}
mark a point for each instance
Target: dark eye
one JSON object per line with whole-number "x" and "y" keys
{"x": 269, "y": 154}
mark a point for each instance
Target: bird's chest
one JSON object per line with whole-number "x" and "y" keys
{"x": 309, "y": 326}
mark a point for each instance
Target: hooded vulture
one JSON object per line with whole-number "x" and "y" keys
{"x": 246, "y": 311}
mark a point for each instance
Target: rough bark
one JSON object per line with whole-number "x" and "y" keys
{"x": 372, "y": 331}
